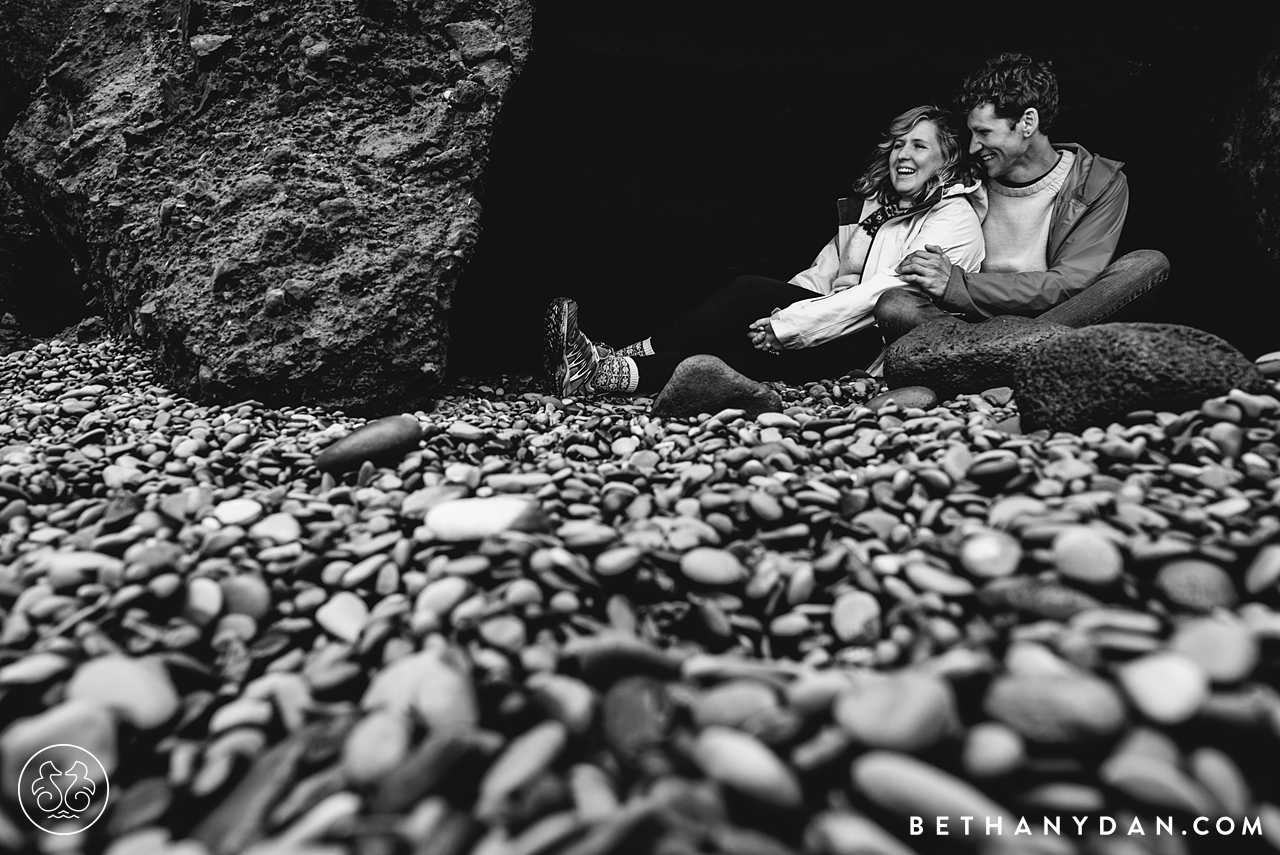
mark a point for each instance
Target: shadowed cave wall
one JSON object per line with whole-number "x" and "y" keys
{"x": 654, "y": 150}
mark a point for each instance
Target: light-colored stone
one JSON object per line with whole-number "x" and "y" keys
{"x": 709, "y": 566}
{"x": 138, "y": 690}
{"x": 907, "y": 712}
{"x": 472, "y": 519}
{"x": 343, "y": 616}
{"x": 1167, "y": 688}
{"x": 743, "y": 763}
{"x": 1057, "y": 709}
{"x": 1084, "y": 555}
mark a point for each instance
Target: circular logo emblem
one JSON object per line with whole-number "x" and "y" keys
{"x": 63, "y": 789}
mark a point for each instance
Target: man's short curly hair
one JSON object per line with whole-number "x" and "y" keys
{"x": 1012, "y": 82}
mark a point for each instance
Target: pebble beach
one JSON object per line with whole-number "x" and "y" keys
{"x": 541, "y": 625}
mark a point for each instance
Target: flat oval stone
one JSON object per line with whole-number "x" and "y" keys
{"x": 1156, "y": 783}
{"x": 855, "y": 617}
{"x": 34, "y": 668}
{"x": 992, "y": 749}
{"x": 385, "y": 440}
{"x": 841, "y": 833}
{"x": 1225, "y": 648}
{"x": 517, "y": 482}
{"x": 138, "y": 690}
{"x": 906, "y": 786}
{"x": 1057, "y": 709}
{"x": 926, "y": 577}
{"x": 990, "y": 554}
{"x": 1197, "y": 584}
{"x": 1084, "y": 555}
{"x": 615, "y": 562}
{"x": 734, "y": 703}
{"x": 239, "y": 512}
{"x": 476, "y": 518}
{"x": 1264, "y": 570}
{"x": 566, "y": 699}
{"x": 439, "y": 693}
{"x": 276, "y": 529}
{"x": 375, "y": 746}
{"x": 921, "y": 397}
{"x": 744, "y": 763}
{"x": 1220, "y": 775}
{"x": 525, "y": 757}
{"x": 343, "y": 616}
{"x": 1168, "y": 688}
{"x": 905, "y": 712}
{"x": 708, "y": 566}
{"x": 441, "y": 595}
{"x": 246, "y": 594}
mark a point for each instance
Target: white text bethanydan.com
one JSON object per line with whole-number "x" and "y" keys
{"x": 971, "y": 825}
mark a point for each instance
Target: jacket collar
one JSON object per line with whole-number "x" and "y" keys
{"x": 1090, "y": 175}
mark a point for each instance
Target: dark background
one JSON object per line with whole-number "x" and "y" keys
{"x": 651, "y": 151}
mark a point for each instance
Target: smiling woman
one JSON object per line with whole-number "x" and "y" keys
{"x": 916, "y": 192}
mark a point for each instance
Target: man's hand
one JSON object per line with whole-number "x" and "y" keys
{"x": 929, "y": 270}
{"x": 762, "y": 336}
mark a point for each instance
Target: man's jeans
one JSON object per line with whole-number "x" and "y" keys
{"x": 1124, "y": 291}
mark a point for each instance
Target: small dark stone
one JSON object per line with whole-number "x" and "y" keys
{"x": 706, "y": 384}
{"x": 906, "y": 396}
{"x": 386, "y": 439}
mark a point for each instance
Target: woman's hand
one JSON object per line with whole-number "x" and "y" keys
{"x": 763, "y": 337}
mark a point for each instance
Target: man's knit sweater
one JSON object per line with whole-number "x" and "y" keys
{"x": 1017, "y": 225}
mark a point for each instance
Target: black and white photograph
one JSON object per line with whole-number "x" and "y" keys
{"x": 573, "y": 427}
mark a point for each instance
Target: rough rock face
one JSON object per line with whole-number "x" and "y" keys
{"x": 1095, "y": 375}
{"x": 706, "y": 384}
{"x": 278, "y": 196}
{"x": 952, "y": 357}
{"x": 30, "y": 31}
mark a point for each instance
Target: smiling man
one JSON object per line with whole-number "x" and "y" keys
{"x": 1054, "y": 220}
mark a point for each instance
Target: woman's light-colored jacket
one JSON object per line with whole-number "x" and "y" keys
{"x": 846, "y": 299}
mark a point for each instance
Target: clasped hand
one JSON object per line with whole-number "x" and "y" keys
{"x": 762, "y": 336}
{"x": 928, "y": 269}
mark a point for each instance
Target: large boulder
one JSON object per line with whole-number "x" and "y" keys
{"x": 1096, "y": 375}
{"x": 706, "y": 384}
{"x": 952, "y": 357}
{"x": 279, "y": 196}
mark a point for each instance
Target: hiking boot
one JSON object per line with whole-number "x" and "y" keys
{"x": 568, "y": 357}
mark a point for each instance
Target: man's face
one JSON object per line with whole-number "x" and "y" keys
{"x": 997, "y": 144}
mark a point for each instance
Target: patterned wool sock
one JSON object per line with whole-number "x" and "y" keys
{"x": 639, "y": 348}
{"x": 617, "y": 374}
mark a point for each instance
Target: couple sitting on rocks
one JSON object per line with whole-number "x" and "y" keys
{"x": 925, "y": 240}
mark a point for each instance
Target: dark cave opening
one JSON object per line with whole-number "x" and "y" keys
{"x": 652, "y": 151}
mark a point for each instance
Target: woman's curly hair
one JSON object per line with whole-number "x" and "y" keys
{"x": 1012, "y": 82}
{"x": 876, "y": 182}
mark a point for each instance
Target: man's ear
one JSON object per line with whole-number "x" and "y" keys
{"x": 1030, "y": 121}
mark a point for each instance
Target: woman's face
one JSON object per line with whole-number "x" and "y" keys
{"x": 915, "y": 157}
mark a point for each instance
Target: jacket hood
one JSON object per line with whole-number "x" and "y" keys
{"x": 976, "y": 194}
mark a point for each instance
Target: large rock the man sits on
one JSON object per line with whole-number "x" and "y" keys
{"x": 279, "y": 196}
{"x": 955, "y": 358}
